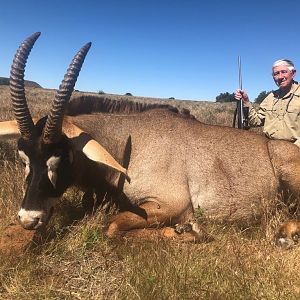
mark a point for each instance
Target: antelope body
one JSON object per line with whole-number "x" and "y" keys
{"x": 178, "y": 165}
{"x": 159, "y": 165}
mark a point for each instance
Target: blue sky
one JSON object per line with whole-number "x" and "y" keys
{"x": 169, "y": 48}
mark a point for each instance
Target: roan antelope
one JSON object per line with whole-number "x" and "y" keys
{"x": 159, "y": 165}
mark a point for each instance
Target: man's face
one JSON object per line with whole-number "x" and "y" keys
{"x": 283, "y": 76}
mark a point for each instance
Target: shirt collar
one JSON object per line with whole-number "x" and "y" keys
{"x": 294, "y": 88}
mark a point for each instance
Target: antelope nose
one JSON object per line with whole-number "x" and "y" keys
{"x": 29, "y": 224}
{"x": 29, "y": 220}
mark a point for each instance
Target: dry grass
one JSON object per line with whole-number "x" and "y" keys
{"x": 39, "y": 102}
{"x": 77, "y": 261}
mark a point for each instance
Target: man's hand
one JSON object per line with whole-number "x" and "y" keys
{"x": 241, "y": 95}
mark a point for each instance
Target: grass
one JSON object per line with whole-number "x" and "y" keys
{"x": 83, "y": 264}
{"x": 77, "y": 261}
{"x": 39, "y": 101}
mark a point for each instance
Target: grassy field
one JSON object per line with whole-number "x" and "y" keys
{"x": 75, "y": 260}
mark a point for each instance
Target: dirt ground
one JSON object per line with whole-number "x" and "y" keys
{"x": 14, "y": 240}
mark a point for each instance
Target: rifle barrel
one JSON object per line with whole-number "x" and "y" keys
{"x": 240, "y": 73}
{"x": 240, "y": 105}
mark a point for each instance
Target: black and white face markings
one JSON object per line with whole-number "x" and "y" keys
{"x": 52, "y": 165}
{"x": 26, "y": 161}
{"x": 47, "y": 176}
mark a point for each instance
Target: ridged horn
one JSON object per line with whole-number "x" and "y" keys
{"x": 17, "y": 89}
{"x": 53, "y": 127}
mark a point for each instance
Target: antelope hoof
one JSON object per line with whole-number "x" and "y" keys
{"x": 181, "y": 228}
{"x": 288, "y": 234}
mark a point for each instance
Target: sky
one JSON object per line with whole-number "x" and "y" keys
{"x": 158, "y": 48}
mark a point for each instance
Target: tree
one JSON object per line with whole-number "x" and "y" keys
{"x": 261, "y": 97}
{"x": 225, "y": 97}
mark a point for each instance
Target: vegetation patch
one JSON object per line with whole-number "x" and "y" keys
{"x": 74, "y": 259}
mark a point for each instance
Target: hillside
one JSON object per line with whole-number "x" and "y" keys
{"x": 28, "y": 83}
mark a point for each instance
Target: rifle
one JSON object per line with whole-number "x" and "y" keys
{"x": 241, "y": 112}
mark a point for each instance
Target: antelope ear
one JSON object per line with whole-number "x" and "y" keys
{"x": 9, "y": 130}
{"x": 90, "y": 147}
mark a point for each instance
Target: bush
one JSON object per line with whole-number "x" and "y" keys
{"x": 225, "y": 97}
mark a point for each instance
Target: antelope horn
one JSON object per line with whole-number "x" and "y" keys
{"x": 53, "y": 127}
{"x": 17, "y": 90}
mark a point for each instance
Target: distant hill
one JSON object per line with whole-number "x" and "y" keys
{"x": 28, "y": 83}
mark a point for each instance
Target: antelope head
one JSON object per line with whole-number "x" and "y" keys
{"x": 45, "y": 147}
